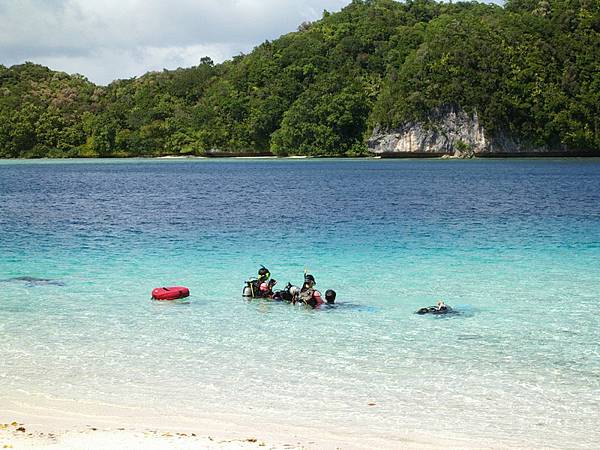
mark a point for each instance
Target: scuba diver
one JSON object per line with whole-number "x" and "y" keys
{"x": 260, "y": 287}
{"x": 330, "y": 296}
{"x": 439, "y": 308}
{"x": 308, "y": 294}
{"x": 288, "y": 294}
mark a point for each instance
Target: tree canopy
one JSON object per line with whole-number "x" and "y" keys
{"x": 530, "y": 68}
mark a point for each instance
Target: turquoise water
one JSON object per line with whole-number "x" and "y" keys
{"x": 512, "y": 245}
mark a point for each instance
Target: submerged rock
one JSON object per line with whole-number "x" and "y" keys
{"x": 33, "y": 281}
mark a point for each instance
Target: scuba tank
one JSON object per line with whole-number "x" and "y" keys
{"x": 252, "y": 287}
{"x": 247, "y": 291}
{"x": 287, "y": 294}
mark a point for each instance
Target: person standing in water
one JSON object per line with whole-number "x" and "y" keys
{"x": 308, "y": 294}
{"x": 262, "y": 286}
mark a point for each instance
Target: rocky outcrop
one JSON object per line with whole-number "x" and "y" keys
{"x": 454, "y": 133}
{"x": 448, "y": 133}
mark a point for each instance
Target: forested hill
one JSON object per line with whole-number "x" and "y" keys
{"x": 530, "y": 68}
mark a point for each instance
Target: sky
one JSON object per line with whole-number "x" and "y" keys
{"x": 109, "y": 39}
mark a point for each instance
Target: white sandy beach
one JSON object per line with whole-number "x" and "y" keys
{"x": 73, "y": 426}
{"x": 19, "y": 435}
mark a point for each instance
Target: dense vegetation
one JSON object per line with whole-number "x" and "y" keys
{"x": 531, "y": 68}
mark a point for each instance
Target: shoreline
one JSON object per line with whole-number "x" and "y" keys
{"x": 77, "y": 425}
{"x": 500, "y": 157}
{"x": 375, "y": 156}
{"x": 27, "y": 433}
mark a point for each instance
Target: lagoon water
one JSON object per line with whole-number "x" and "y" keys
{"x": 513, "y": 245}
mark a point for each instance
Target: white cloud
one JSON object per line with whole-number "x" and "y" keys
{"x": 108, "y": 64}
{"x": 109, "y": 39}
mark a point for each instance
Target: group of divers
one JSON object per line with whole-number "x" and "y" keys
{"x": 262, "y": 287}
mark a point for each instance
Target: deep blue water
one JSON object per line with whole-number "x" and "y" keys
{"x": 513, "y": 245}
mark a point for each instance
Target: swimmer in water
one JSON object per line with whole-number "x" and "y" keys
{"x": 439, "y": 308}
{"x": 330, "y": 296}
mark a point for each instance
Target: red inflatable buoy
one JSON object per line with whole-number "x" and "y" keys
{"x": 170, "y": 293}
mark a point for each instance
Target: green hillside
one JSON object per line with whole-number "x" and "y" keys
{"x": 531, "y": 69}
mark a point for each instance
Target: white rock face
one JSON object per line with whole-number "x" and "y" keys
{"x": 450, "y": 133}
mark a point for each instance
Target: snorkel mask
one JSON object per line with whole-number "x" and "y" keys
{"x": 263, "y": 273}
{"x": 309, "y": 279}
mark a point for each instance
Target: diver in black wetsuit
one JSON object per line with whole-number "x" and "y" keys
{"x": 288, "y": 294}
{"x": 308, "y": 294}
{"x": 260, "y": 287}
{"x": 439, "y": 308}
{"x": 330, "y": 296}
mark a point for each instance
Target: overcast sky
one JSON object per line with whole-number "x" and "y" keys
{"x": 109, "y": 39}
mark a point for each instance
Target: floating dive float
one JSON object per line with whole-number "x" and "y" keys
{"x": 170, "y": 293}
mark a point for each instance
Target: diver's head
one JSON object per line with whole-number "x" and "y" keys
{"x": 330, "y": 296}
{"x": 263, "y": 273}
{"x": 309, "y": 280}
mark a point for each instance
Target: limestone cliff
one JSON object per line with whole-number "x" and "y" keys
{"x": 454, "y": 133}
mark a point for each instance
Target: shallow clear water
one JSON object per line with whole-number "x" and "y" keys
{"x": 513, "y": 245}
